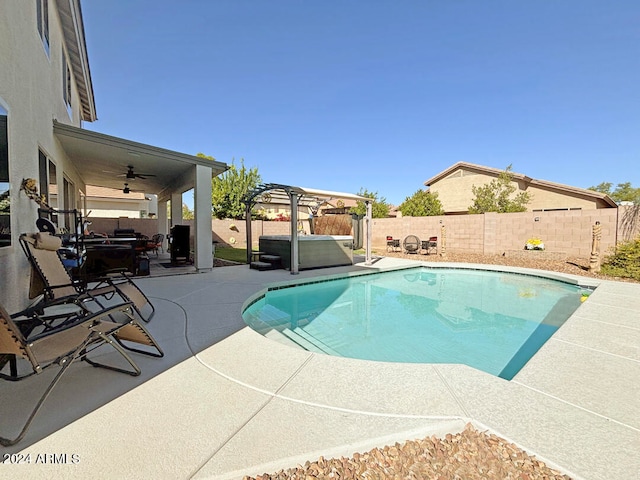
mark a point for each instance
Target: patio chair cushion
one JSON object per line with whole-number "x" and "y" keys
{"x": 45, "y": 241}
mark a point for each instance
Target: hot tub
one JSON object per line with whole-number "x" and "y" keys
{"x": 314, "y": 251}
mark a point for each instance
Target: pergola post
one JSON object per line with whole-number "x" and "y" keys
{"x": 293, "y": 197}
{"x": 368, "y": 228}
{"x": 247, "y": 216}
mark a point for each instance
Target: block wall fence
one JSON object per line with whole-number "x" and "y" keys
{"x": 564, "y": 232}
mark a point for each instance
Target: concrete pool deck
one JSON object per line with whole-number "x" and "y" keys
{"x": 227, "y": 402}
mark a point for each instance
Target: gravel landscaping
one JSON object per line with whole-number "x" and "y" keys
{"x": 570, "y": 265}
{"x": 468, "y": 455}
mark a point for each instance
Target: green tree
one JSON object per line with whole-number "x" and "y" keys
{"x": 229, "y": 188}
{"x": 379, "y": 206}
{"x": 497, "y": 196}
{"x": 187, "y": 214}
{"x": 623, "y": 192}
{"x": 421, "y": 204}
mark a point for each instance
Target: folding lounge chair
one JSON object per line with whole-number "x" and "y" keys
{"x": 42, "y": 343}
{"x": 49, "y": 276}
{"x": 411, "y": 244}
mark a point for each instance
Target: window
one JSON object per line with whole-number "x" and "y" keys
{"x": 52, "y": 198}
{"x": 5, "y": 199}
{"x": 44, "y": 175}
{"x": 48, "y": 180}
{"x": 69, "y": 203}
{"x": 66, "y": 84}
{"x": 42, "y": 12}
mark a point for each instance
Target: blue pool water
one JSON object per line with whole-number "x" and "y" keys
{"x": 492, "y": 321}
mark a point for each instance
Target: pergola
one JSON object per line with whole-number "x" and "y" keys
{"x": 269, "y": 193}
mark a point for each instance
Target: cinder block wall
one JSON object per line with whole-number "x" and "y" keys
{"x": 564, "y": 232}
{"x": 567, "y": 232}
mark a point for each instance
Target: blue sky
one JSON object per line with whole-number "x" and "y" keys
{"x": 382, "y": 95}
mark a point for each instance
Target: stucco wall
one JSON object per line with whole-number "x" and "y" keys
{"x": 31, "y": 92}
{"x": 456, "y": 193}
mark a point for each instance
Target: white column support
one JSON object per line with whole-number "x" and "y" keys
{"x": 294, "y": 232}
{"x": 176, "y": 209}
{"x": 163, "y": 219}
{"x": 368, "y": 232}
{"x": 202, "y": 205}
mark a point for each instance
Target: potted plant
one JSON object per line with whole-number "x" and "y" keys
{"x": 534, "y": 244}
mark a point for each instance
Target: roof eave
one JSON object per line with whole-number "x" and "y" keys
{"x": 70, "y": 14}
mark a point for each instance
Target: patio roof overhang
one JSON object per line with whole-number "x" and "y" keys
{"x": 102, "y": 160}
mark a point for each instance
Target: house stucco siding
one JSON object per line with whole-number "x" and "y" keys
{"x": 456, "y": 195}
{"x": 31, "y": 92}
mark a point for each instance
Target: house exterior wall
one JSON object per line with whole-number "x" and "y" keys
{"x": 114, "y": 208}
{"x": 455, "y": 192}
{"x": 31, "y": 92}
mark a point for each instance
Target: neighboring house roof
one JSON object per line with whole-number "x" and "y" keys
{"x": 558, "y": 187}
{"x": 70, "y": 14}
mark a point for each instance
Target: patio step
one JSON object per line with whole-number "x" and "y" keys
{"x": 267, "y": 262}
{"x": 262, "y": 266}
{"x": 279, "y": 337}
{"x": 318, "y": 344}
{"x": 303, "y": 342}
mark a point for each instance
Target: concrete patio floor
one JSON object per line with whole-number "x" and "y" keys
{"x": 227, "y": 402}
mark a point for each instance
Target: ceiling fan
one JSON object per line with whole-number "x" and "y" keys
{"x": 132, "y": 175}
{"x": 126, "y": 189}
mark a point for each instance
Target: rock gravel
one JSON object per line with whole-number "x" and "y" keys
{"x": 468, "y": 455}
{"x": 570, "y": 265}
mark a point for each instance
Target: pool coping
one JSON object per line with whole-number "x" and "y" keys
{"x": 235, "y": 403}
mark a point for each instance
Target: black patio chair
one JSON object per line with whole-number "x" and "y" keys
{"x": 430, "y": 246}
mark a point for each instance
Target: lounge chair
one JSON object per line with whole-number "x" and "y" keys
{"x": 41, "y": 342}
{"x": 411, "y": 244}
{"x": 51, "y": 278}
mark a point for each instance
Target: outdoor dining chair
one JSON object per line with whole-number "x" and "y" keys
{"x": 50, "y": 277}
{"x": 30, "y": 338}
{"x": 430, "y": 246}
{"x": 155, "y": 243}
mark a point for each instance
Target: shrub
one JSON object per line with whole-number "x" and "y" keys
{"x": 625, "y": 262}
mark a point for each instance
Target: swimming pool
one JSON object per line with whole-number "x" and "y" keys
{"x": 490, "y": 320}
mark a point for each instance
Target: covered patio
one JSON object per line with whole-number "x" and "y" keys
{"x": 226, "y": 402}
{"x": 108, "y": 161}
